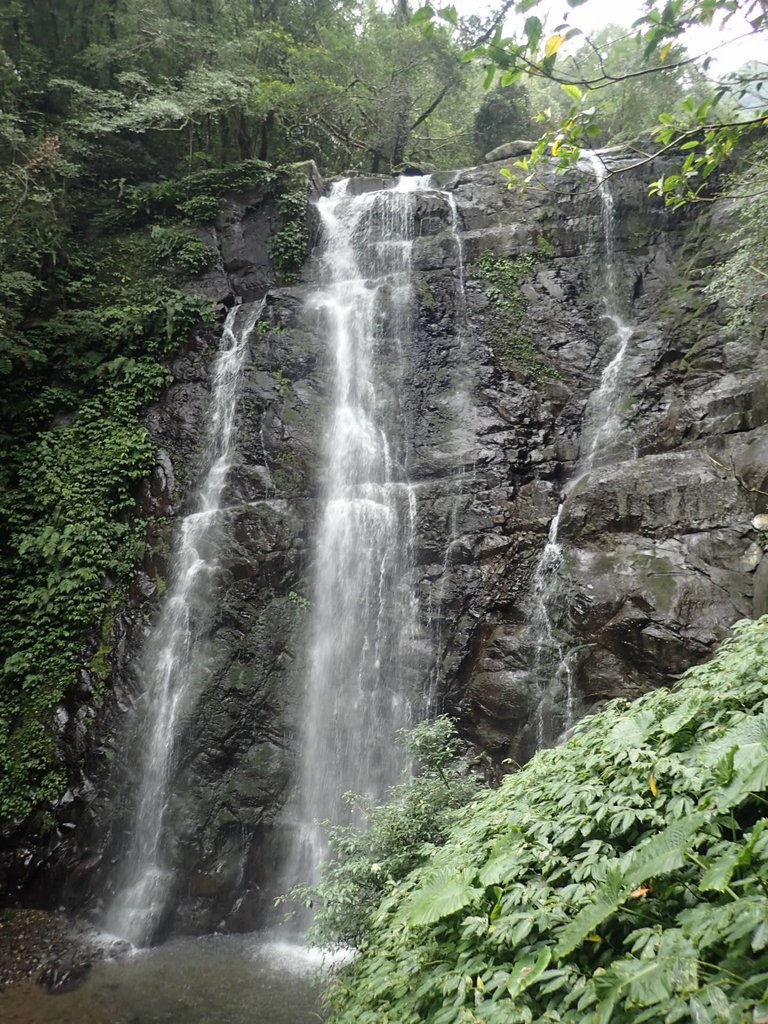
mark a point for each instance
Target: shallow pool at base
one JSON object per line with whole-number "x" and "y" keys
{"x": 231, "y": 979}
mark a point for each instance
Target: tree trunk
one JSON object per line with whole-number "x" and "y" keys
{"x": 266, "y": 130}
{"x": 403, "y": 12}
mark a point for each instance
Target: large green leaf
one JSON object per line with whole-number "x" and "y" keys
{"x": 504, "y": 864}
{"x": 661, "y": 854}
{"x": 745, "y": 738}
{"x": 750, "y": 777}
{"x": 526, "y": 971}
{"x": 607, "y": 898}
{"x": 664, "y": 852}
{"x": 444, "y": 894}
{"x": 718, "y": 874}
{"x": 671, "y": 973}
{"x": 631, "y": 731}
{"x": 681, "y": 716}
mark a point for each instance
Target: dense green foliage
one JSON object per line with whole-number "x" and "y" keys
{"x": 666, "y": 93}
{"x": 504, "y": 317}
{"x": 504, "y": 114}
{"x": 620, "y": 877}
{"x": 386, "y": 841}
{"x": 123, "y": 126}
{"x": 74, "y": 449}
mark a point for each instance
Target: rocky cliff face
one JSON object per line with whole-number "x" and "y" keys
{"x": 659, "y": 555}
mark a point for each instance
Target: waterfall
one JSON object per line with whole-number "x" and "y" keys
{"x": 603, "y": 434}
{"x": 173, "y": 658}
{"x": 464, "y": 445}
{"x": 603, "y": 429}
{"x": 363, "y": 680}
{"x": 550, "y": 663}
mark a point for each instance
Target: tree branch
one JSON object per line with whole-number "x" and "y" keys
{"x": 537, "y": 71}
{"x": 430, "y": 109}
{"x": 505, "y": 9}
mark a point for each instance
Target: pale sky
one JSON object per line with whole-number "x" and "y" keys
{"x": 596, "y": 14}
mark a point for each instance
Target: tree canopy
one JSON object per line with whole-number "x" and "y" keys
{"x": 123, "y": 126}
{"x": 610, "y": 80}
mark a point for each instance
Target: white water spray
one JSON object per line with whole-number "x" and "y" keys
{"x": 603, "y": 434}
{"x": 171, "y": 661}
{"x": 364, "y": 608}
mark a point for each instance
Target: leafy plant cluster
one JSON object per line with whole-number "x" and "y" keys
{"x": 67, "y": 532}
{"x": 288, "y": 246}
{"x": 198, "y": 196}
{"x": 622, "y": 877}
{"x": 503, "y": 276}
{"x": 75, "y": 452}
{"x": 174, "y": 247}
{"x": 298, "y": 600}
{"x": 373, "y": 854}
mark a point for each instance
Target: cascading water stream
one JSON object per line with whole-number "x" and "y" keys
{"x": 550, "y": 664}
{"x": 171, "y": 661}
{"x": 464, "y": 437}
{"x": 602, "y": 434}
{"x": 364, "y": 608}
{"x": 603, "y": 426}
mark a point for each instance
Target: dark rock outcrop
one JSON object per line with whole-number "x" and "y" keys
{"x": 660, "y": 555}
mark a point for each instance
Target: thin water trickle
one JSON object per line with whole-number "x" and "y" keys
{"x": 603, "y": 430}
{"x": 464, "y": 444}
{"x": 465, "y": 415}
{"x": 550, "y": 665}
{"x": 603, "y": 439}
{"x": 171, "y": 664}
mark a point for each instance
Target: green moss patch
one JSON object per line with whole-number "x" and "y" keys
{"x": 502, "y": 277}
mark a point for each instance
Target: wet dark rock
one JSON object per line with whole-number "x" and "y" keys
{"x": 63, "y": 975}
{"x": 509, "y": 150}
{"x": 660, "y": 556}
{"x": 360, "y": 184}
{"x": 54, "y": 951}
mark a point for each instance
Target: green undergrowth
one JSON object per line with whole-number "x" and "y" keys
{"x": 288, "y": 246}
{"x": 620, "y": 877}
{"x": 82, "y": 354}
{"x": 194, "y": 197}
{"x": 91, "y": 307}
{"x": 384, "y": 842}
{"x": 200, "y": 197}
{"x": 502, "y": 277}
{"x": 66, "y": 503}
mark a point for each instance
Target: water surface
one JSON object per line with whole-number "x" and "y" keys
{"x": 232, "y": 979}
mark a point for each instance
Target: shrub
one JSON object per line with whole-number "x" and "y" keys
{"x": 388, "y": 840}
{"x": 622, "y": 877}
